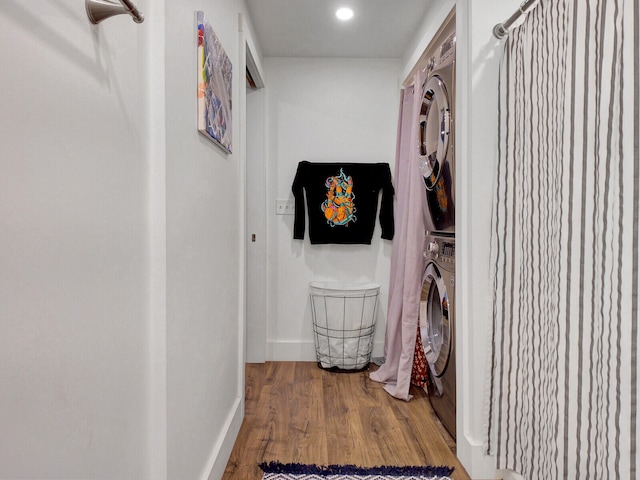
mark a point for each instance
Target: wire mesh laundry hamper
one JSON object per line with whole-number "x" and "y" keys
{"x": 344, "y": 322}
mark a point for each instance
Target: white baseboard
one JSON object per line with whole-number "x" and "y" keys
{"x": 291, "y": 351}
{"x": 302, "y": 351}
{"x": 477, "y": 464}
{"x": 222, "y": 449}
{"x": 509, "y": 475}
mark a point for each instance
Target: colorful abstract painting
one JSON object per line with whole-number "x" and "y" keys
{"x": 214, "y": 86}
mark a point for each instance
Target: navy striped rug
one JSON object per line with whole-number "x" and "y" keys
{"x": 296, "y": 471}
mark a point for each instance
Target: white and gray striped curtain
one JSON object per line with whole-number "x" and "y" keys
{"x": 562, "y": 402}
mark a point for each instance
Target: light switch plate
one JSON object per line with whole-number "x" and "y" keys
{"x": 285, "y": 207}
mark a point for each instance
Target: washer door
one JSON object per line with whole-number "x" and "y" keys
{"x": 434, "y": 320}
{"x": 435, "y": 125}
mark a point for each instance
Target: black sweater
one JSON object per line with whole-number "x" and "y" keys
{"x": 342, "y": 199}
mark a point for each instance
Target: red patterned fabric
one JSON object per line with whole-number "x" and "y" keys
{"x": 419, "y": 373}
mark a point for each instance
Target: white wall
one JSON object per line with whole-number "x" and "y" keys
{"x": 73, "y": 244}
{"x": 121, "y": 304}
{"x": 322, "y": 110}
{"x": 205, "y": 254}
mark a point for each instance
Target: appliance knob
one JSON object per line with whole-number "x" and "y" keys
{"x": 434, "y": 247}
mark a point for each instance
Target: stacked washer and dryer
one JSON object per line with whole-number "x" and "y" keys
{"x": 436, "y": 158}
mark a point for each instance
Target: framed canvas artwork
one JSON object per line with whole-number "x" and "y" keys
{"x": 214, "y": 87}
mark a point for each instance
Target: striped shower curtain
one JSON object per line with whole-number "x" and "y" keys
{"x": 562, "y": 402}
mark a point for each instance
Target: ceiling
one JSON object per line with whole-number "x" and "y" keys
{"x": 309, "y": 28}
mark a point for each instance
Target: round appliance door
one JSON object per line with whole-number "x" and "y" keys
{"x": 435, "y": 125}
{"x": 434, "y": 320}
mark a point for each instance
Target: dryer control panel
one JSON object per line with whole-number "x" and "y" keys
{"x": 448, "y": 249}
{"x": 447, "y": 51}
{"x": 442, "y": 250}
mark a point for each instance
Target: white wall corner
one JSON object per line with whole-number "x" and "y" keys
{"x": 242, "y": 224}
{"x": 509, "y": 475}
{"x": 254, "y": 62}
{"x": 438, "y": 13}
{"x": 222, "y": 449}
{"x": 478, "y": 465}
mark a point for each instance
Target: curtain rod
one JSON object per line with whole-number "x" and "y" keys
{"x": 501, "y": 30}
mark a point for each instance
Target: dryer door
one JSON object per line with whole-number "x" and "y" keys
{"x": 434, "y": 320}
{"x": 435, "y": 129}
{"x": 435, "y": 124}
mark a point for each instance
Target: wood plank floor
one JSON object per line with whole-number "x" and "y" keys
{"x": 297, "y": 412}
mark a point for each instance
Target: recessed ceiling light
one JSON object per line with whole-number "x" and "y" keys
{"x": 344, "y": 14}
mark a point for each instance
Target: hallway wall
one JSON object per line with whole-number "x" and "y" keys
{"x": 121, "y": 304}
{"x": 204, "y": 217}
{"x": 73, "y": 247}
